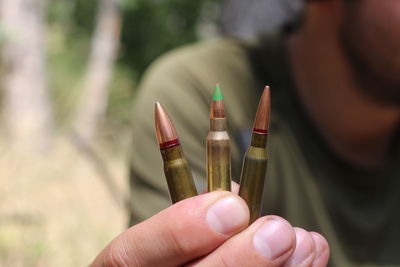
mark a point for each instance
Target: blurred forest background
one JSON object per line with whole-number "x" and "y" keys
{"x": 68, "y": 77}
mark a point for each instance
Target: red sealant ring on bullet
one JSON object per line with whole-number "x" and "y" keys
{"x": 171, "y": 143}
{"x": 260, "y": 131}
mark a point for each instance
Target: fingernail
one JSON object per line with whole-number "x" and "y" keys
{"x": 227, "y": 215}
{"x": 273, "y": 239}
{"x": 304, "y": 248}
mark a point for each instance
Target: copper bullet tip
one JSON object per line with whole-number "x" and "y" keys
{"x": 165, "y": 130}
{"x": 217, "y": 109}
{"x": 261, "y": 123}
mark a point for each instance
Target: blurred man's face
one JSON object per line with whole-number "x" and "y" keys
{"x": 370, "y": 34}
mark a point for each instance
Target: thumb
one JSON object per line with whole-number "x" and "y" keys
{"x": 183, "y": 232}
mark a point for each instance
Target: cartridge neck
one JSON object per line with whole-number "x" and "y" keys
{"x": 218, "y": 124}
{"x": 259, "y": 140}
{"x": 171, "y": 153}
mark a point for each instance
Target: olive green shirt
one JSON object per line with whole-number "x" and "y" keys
{"x": 356, "y": 210}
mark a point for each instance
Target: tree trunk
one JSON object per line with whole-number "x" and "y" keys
{"x": 26, "y": 101}
{"x": 105, "y": 41}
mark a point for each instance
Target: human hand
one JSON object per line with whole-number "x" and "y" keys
{"x": 211, "y": 230}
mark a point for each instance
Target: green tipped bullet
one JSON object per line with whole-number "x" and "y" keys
{"x": 218, "y": 146}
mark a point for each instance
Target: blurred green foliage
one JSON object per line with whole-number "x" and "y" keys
{"x": 150, "y": 28}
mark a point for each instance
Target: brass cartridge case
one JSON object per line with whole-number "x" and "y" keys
{"x": 253, "y": 174}
{"x": 218, "y": 156}
{"x": 177, "y": 172}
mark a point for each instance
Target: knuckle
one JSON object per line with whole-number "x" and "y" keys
{"x": 223, "y": 262}
{"x": 116, "y": 255}
{"x": 304, "y": 238}
{"x": 322, "y": 251}
{"x": 177, "y": 243}
{"x": 321, "y": 240}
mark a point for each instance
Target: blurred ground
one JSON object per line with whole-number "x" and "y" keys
{"x": 55, "y": 210}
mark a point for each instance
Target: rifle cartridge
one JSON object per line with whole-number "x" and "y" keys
{"x": 176, "y": 168}
{"x": 218, "y": 154}
{"x": 255, "y": 161}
